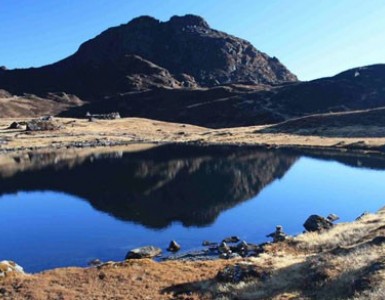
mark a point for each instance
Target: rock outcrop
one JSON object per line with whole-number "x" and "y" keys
{"x": 317, "y": 223}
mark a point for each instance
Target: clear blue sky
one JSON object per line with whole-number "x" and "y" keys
{"x": 313, "y": 38}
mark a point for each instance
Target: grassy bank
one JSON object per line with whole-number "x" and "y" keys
{"x": 345, "y": 262}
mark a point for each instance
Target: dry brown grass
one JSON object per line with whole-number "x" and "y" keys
{"x": 136, "y": 279}
{"x": 137, "y": 130}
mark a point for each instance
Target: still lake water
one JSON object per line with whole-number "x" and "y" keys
{"x": 65, "y": 212}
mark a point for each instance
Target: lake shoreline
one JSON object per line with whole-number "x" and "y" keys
{"x": 73, "y": 134}
{"x": 317, "y": 258}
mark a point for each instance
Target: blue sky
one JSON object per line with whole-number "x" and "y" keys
{"x": 313, "y": 38}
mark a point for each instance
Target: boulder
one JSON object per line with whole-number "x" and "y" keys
{"x": 144, "y": 252}
{"x": 332, "y": 217}
{"x": 317, "y": 223}
{"x": 8, "y": 266}
{"x": 41, "y": 125}
{"x": 15, "y": 125}
{"x": 224, "y": 248}
{"x": 278, "y": 235}
{"x": 242, "y": 248}
{"x": 173, "y": 247}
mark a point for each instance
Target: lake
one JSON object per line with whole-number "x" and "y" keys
{"x": 60, "y": 210}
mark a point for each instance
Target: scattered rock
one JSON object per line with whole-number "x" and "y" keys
{"x": 224, "y": 248}
{"x": 144, "y": 252}
{"x": 231, "y": 239}
{"x": 208, "y": 243}
{"x": 332, "y": 217}
{"x": 95, "y": 262}
{"x": 229, "y": 255}
{"x": 317, "y": 223}
{"x": 15, "y": 125}
{"x": 234, "y": 255}
{"x": 242, "y": 248}
{"x": 241, "y": 272}
{"x": 47, "y": 118}
{"x": 365, "y": 213}
{"x": 224, "y": 255}
{"x": 278, "y": 235}
{"x": 8, "y": 266}
{"x": 42, "y": 125}
{"x": 102, "y": 275}
{"x": 173, "y": 247}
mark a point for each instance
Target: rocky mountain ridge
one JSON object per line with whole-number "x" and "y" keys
{"x": 146, "y": 53}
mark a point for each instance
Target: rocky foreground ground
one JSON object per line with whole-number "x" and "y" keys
{"x": 344, "y": 262}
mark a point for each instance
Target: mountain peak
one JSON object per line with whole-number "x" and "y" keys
{"x": 188, "y": 20}
{"x": 144, "y": 20}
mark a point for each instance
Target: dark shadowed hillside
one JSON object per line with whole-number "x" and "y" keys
{"x": 245, "y": 105}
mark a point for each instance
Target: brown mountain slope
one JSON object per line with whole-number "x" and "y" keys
{"x": 29, "y": 105}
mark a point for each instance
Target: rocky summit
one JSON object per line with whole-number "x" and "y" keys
{"x": 147, "y": 53}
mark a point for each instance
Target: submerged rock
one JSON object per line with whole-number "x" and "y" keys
{"x": 95, "y": 262}
{"x": 317, "y": 223}
{"x": 173, "y": 247}
{"x": 231, "y": 239}
{"x": 144, "y": 252}
{"x": 8, "y": 266}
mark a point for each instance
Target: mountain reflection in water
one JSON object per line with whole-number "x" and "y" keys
{"x": 156, "y": 187}
{"x": 170, "y": 183}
